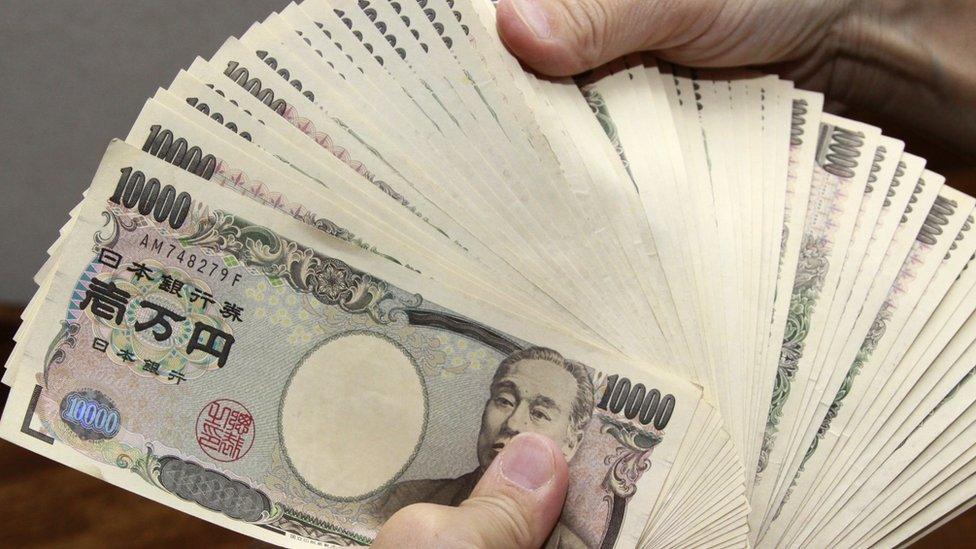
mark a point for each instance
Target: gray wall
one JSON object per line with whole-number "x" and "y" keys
{"x": 73, "y": 75}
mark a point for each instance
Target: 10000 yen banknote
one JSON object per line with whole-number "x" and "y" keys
{"x": 204, "y": 351}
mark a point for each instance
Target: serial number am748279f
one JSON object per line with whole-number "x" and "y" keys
{"x": 203, "y": 265}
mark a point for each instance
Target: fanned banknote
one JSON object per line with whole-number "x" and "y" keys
{"x": 277, "y": 386}
{"x": 339, "y": 262}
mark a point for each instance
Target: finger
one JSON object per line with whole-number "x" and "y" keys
{"x": 515, "y": 504}
{"x": 520, "y": 497}
{"x": 564, "y": 37}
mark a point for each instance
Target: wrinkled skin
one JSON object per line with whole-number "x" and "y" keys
{"x": 904, "y": 62}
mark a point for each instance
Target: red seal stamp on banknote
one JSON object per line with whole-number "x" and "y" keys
{"x": 225, "y": 430}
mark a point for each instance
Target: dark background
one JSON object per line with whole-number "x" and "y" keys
{"x": 73, "y": 75}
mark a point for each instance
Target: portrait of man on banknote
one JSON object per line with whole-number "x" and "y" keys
{"x": 533, "y": 390}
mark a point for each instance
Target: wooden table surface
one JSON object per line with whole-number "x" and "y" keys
{"x": 45, "y": 504}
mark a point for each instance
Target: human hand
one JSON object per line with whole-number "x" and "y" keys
{"x": 904, "y": 61}
{"x": 515, "y": 504}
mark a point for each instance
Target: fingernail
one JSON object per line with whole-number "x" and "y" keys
{"x": 534, "y": 16}
{"x": 527, "y": 462}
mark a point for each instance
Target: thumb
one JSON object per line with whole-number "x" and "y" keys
{"x": 565, "y": 37}
{"x": 515, "y": 504}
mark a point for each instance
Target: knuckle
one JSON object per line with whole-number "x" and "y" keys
{"x": 590, "y": 22}
{"x": 418, "y": 515}
{"x": 419, "y": 525}
{"x": 505, "y": 523}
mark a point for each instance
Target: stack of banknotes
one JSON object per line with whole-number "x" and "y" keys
{"x": 335, "y": 266}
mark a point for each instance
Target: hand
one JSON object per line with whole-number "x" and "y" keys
{"x": 515, "y": 504}
{"x": 904, "y": 61}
